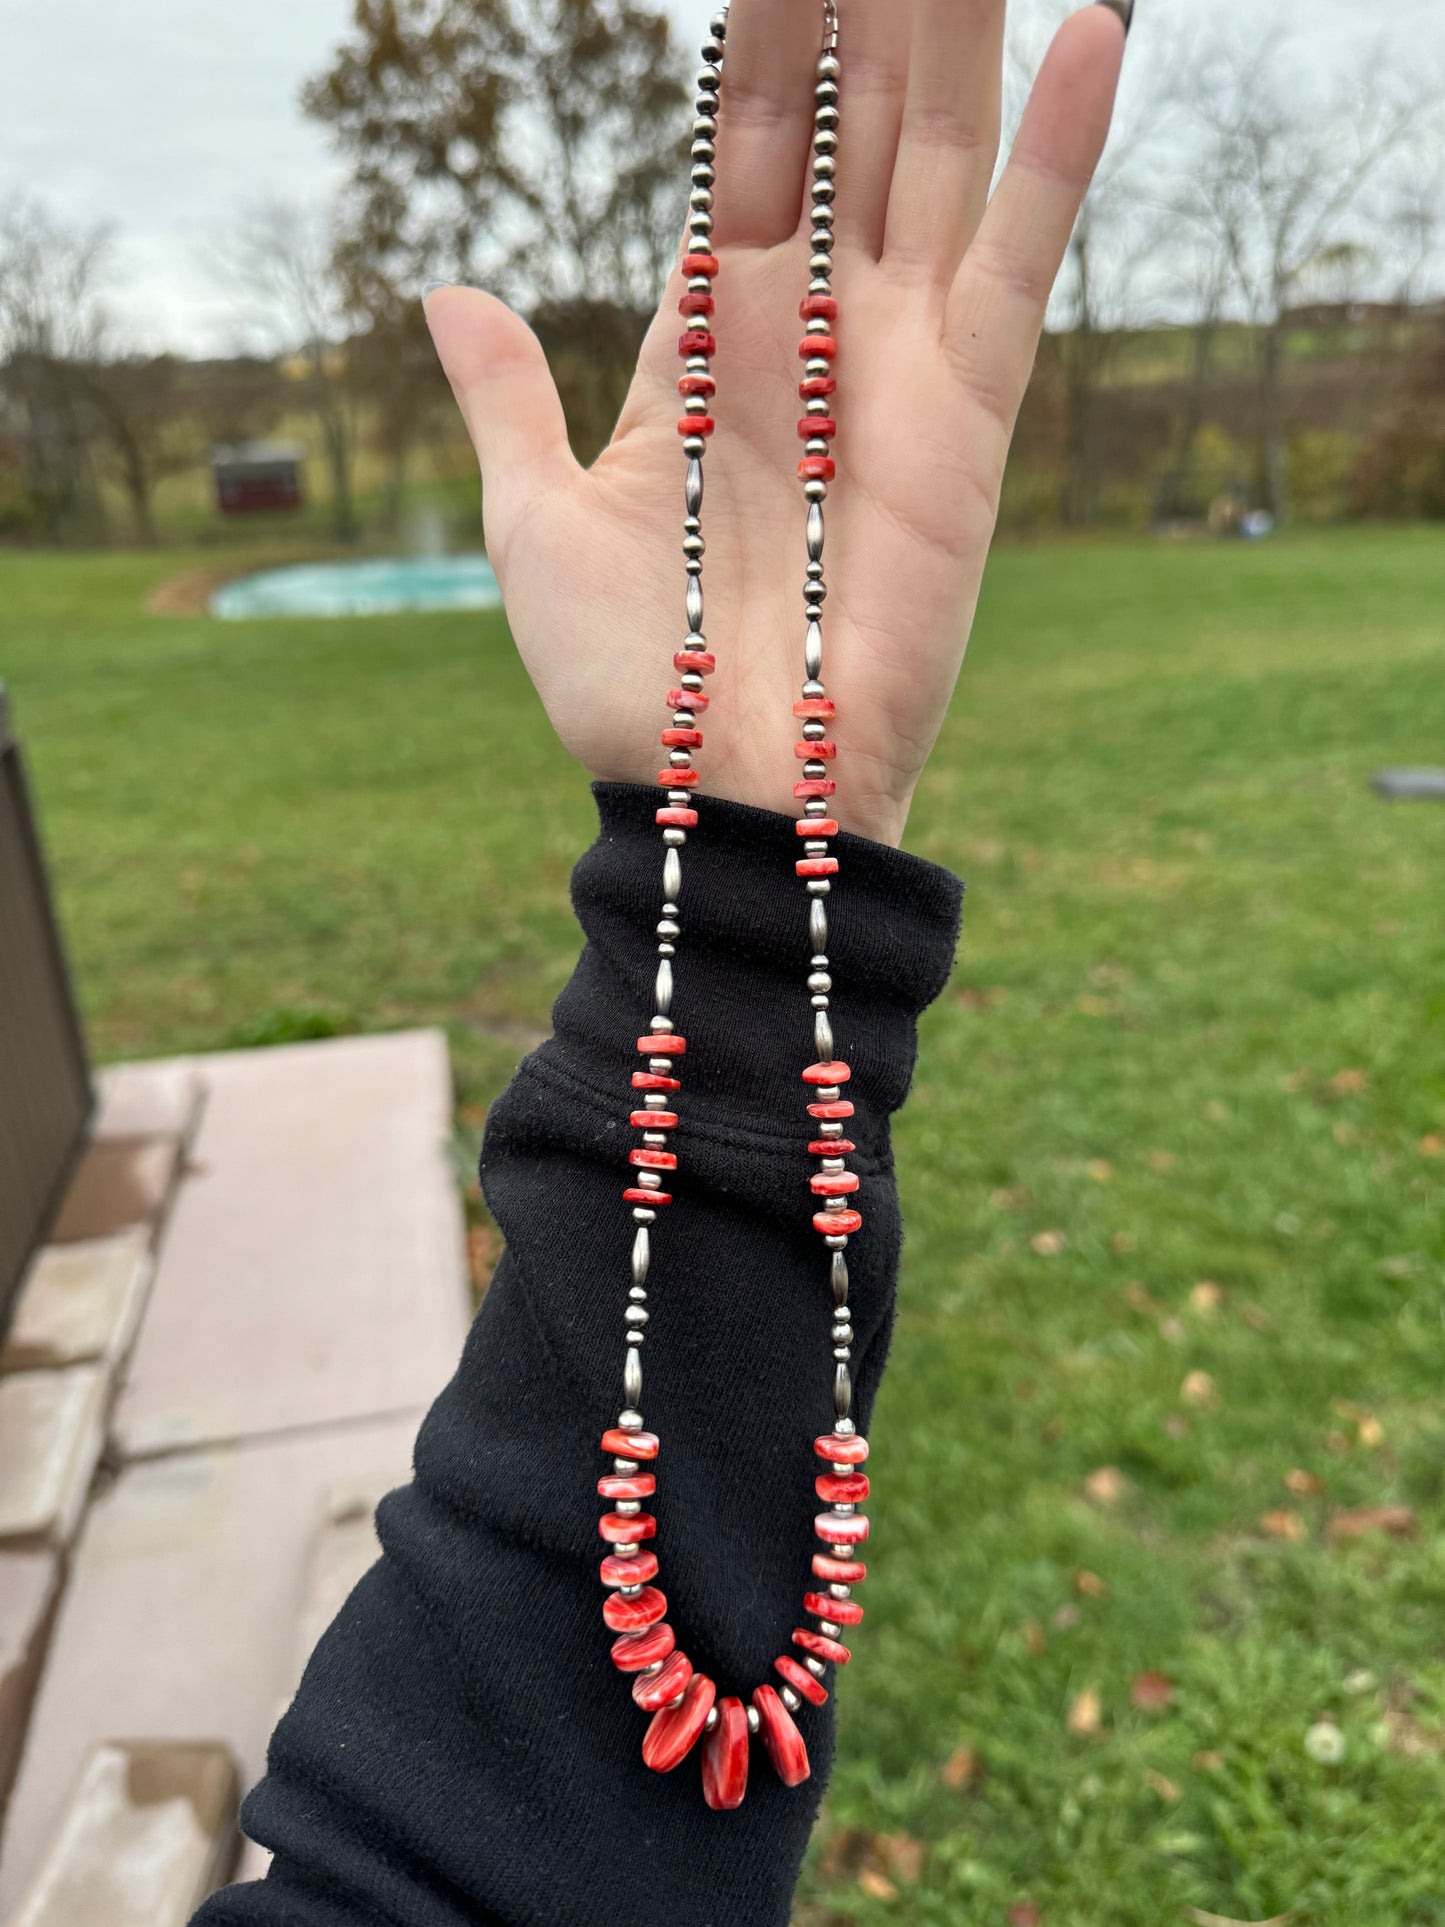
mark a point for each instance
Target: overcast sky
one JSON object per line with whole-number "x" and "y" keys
{"x": 163, "y": 119}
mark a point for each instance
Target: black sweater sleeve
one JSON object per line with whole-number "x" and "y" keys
{"x": 461, "y": 1748}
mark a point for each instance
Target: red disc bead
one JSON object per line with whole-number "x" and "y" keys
{"x": 817, "y": 468}
{"x": 832, "y": 1112}
{"x": 841, "y": 1528}
{"x": 702, "y": 660}
{"x": 697, "y": 341}
{"x": 821, "y": 426}
{"x": 810, "y": 786}
{"x": 626, "y": 1529}
{"x": 695, "y": 302}
{"x": 833, "y": 1488}
{"x": 682, "y": 739}
{"x": 632, "y": 1485}
{"x": 817, "y": 387}
{"x": 831, "y": 1147}
{"x": 833, "y": 1072}
{"x": 816, "y": 826}
{"x": 816, "y": 709}
{"x": 696, "y": 425}
{"x": 817, "y": 866}
{"x": 654, "y": 1081}
{"x": 696, "y": 264}
{"x": 697, "y": 385}
{"x": 837, "y": 1224}
{"x": 842, "y": 1448}
{"x": 678, "y": 779}
{"x": 675, "y": 817}
{"x": 676, "y": 1729}
{"x": 655, "y": 1690}
{"x": 663, "y": 1043}
{"x": 653, "y": 1160}
{"x": 621, "y": 1444}
{"x": 815, "y": 752}
{"x": 831, "y": 1184}
{"x": 782, "y": 1739}
{"x": 815, "y": 307}
{"x": 647, "y": 1197}
{"x": 838, "y": 1612}
{"x": 801, "y": 1680}
{"x": 817, "y": 348}
{"x": 628, "y": 1572}
{"x": 636, "y": 1651}
{"x": 838, "y": 1572}
{"x": 725, "y": 1758}
{"x": 820, "y": 1646}
{"x": 686, "y": 699}
{"x": 654, "y": 1120}
{"x": 635, "y": 1615}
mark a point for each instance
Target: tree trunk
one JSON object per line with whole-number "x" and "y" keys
{"x": 1274, "y": 477}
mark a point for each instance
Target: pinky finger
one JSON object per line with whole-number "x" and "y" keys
{"x": 996, "y": 305}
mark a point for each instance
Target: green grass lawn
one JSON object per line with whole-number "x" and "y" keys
{"x": 1172, "y": 1332}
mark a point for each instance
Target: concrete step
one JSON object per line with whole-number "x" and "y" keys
{"x": 29, "y": 1584}
{"x": 149, "y": 1832}
{"x": 79, "y": 1303}
{"x": 52, "y": 1429}
{"x": 161, "y": 1100}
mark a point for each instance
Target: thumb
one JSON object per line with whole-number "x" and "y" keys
{"x": 508, "y": 400}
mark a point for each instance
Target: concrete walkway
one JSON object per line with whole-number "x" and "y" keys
{"x": 256, "y": 1287}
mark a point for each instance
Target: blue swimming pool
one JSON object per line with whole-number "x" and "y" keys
{"x": 375, "y": 587}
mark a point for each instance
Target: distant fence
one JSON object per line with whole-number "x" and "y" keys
{"x": 44, "y": 1081}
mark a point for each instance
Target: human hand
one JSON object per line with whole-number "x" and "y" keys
{"x": 941, "y": 295}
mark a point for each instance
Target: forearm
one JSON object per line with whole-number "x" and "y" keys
{"x": 461, "y": 1749}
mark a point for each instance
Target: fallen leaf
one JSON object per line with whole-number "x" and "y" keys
{"x": 1122, "y": 1243}
{"x": 979, "y": 997}
{"x": 1165, "y": 1788}
{"x": 1296, "y": 1080}
{"x": 960, "y": 1769}
{"x": 1346, "y": 1083}
{"x": 1432, "y": 1146}
{"x": 1177, "y": 1426}
{"x": 1035, "y": 1639}
{"x": 1161, "y": 1160}
{"x": 1209, "y": 1761}
{"x": 1398, "y": 1521}
{"x": 1139, "y": 1295}
{"x": 1304, "y": 1485}
{"x": 1024, "y": 1913}
{"x": 1284, "y": 1524}
{"x": 1066, "y": 1617}
{"x": 1048, "y": 1244}
{"x": 1100, "y": 1170}
{"x": 1256, "y": 1317}
{"x": 1337, "y": 1443}
{"x": 1371, "y": 1433}
{"x": 1172, "y": 1331}
{"x": 1086, "y": 1714}
{"x": 1106, "y": 1486}
{"x": 1201, "y": 1919}
{"x": 842, "y": 1855}
{"x": 1151, "y": 1692}
{"x": 1411, "y": 1740}
{"x": 1013, "y": 1200}
{"x": 1205, "y": 1298}
{"x": 1200, "y": 1390}
{"x": 902, "y": 1855}
{"x": 876, "y": 1885}
{"x": 1090, "y": 1585}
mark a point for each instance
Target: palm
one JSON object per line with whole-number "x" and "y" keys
{"x": 938, "y": 326}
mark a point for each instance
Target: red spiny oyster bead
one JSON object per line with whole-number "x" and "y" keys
{"x": 682, "y": 739}
{"x": 818, "y": 386}
{"x": 620, "y": 1444}
{"x": 675, "y": 817}
{"x": 834, "y": 1184}
{"x": 782, "y": 1739}
{"x": 817, "y": 866}
{"x": 834, "y": 1072}
{"x": 653, "y": 1160}
{"x": 686, "y": 699}
{"x": 697, "y": 385}
{"x": 817, "y": 306}
{"x": 801, "y": 1680}
{"x": 815, "y": 709}
{"x": 816, "y": 826}
{"x": 841, "y": 1448}
{"x": 837, "y": 1224}
{"x": 822, "y": 426}
{"x": 838, "y": 1572}
{"x": 654, "y": 1690}
{"x": 695, "y": 302}
{"x": 838, "y": 1107}
{"x": 678, "y": 779}
{"x": 838, "y": 1612}
{"x": 817, "y": 468}
{"x": 674, "y": 1731}
{"x": 725, "y": 1758}
{"x": 829, "y": 1147}
{"x": 632, "y": 1485}
{"x": 696, "y": 425}
{"x": 635, "y": 1615}
{"x": 817, "y": 347}
{"x": 833, "y": 1488}
{"x": 697, "y": 341}
{"x": 841, "y": 1528}
{"x": 810, "y": 786}
{"x": 654, "y": 1081}
{"x": 626, "y": 1528}
{"x": 654, "y": 1120}
{"x": 636, "y": 1651}
{"x": 810, "y": 752}
{"x": 628, "y": 1572}
{"x": 696, "y": 264}
{"x": 647, "y": 1197}
{"x": 701, "y": 660}
{"x": 818, "y": 1645}
{"x": 662, "y": 1043}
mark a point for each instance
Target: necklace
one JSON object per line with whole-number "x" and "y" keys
{"x": 683, "y": 1702}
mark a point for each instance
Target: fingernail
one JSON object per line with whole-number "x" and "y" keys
{"x": 1124, "y": 9}
{"x": 432, "y": 286}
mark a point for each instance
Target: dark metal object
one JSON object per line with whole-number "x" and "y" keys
{"x": 45, "y": 1095}
{"x": 1399, "y": 783}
